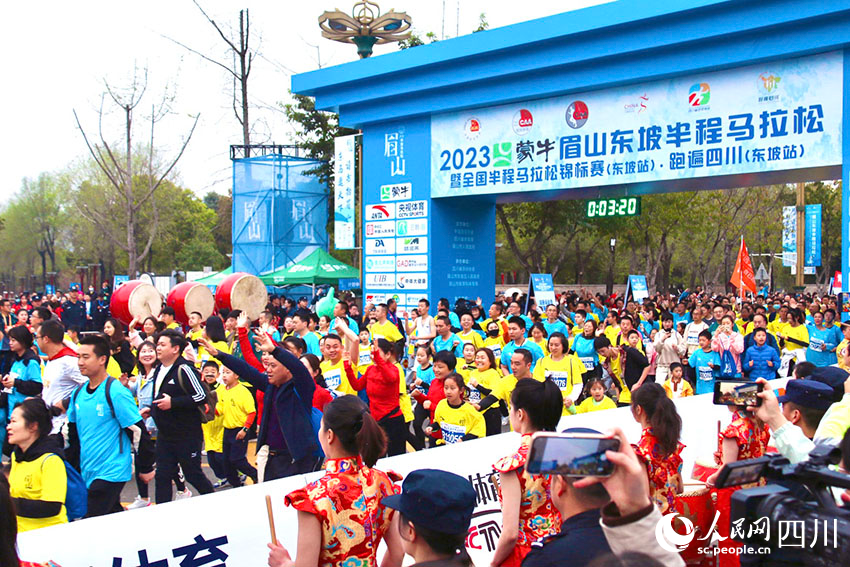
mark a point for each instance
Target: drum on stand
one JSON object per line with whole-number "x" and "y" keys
{"x": 189, "y": 297}
{"x": 244, "y": 292}
{"x": 135, "y": 299}
{"x": 704, "y": 468}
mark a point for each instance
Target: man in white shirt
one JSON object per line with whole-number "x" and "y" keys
{"x": 61, "y": 373}
{"x": 425, "y": 328}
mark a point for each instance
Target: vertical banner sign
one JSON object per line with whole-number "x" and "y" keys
{"x": 637, "y": 285}
{"x": 789, "y": 236}
{"x": 344, "y": 192}
{"x": 543, "y": 289}
{"x": 813, "y": 235}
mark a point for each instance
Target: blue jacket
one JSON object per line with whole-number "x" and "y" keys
{"x": 749, "y": 342}
{"x": 292, "y": 401}
{"x": 28, "y": 383}
{"x": 759, "y": 356}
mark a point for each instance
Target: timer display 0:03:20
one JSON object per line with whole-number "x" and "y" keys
{"x": 624, "y": 206}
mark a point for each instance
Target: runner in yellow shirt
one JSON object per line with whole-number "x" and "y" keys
{"x": 565, "y": 370}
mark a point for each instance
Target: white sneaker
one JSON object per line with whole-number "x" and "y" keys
{"x": 183, "y": 495}
{"x": 139, "y": 502}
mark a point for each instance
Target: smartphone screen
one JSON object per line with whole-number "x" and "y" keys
{"x": 572, "y": 455}
{"x": 737, "y": 393}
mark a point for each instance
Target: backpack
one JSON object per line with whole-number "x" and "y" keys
{"x": 728, "y": 368}
{"x": 76, "y": 493}
{"x": 108, "y": 386}
{"x": 206, "y": 409}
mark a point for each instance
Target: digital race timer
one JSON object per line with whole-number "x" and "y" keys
{"x": 619, "y": 207}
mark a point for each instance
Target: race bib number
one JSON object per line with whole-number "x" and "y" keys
{"x": 706, "y": 373}
{"x": 560, "y": 378}
{"x": 497, "y": 351}
{"x": 333, "y": 378}
{"x": 816, "y": 344}
{"x": 588, "y": 362}
{"x": 452, "y": 433}
{"x": 365, "y": 359}
{"x": 474, "y": 396}
{"x": 693, "y": 339}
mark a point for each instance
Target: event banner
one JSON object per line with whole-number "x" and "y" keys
{"x": 812, "y": 238}
{"x": 230, "y": 528}
{"x": 344, "y": 173}
{"x": 543, "y": 290}
{"x": 774, "y": 116}
{"x": 813, "y": 235}
{"x": 637, "y": 286}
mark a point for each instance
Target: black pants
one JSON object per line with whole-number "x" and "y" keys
{"x": 420, "y": 414}
{"x": 396, "y": 431}
{"x": 104, "y": 498}
{"x": 7, "y": 357}
{"x": 216, "y": 462}
{"x": 493, "y": 421}
{"x": 281, "y": 465}
{"x": 187, "y": 454}
{"x": 235, "y": 461}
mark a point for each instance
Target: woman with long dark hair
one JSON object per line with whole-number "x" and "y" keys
{"x": 659, "y": 448}
{"x": 214, "y": 333}
{"x": 24, "y": 378}
{"x": 348, "y": 495}
{"x": 119, "y": 346}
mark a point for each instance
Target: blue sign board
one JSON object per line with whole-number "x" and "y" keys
{"x": 813, "y": 235}
{"x": 348, "y": 283}
{"x": 49, "y": 289}
{"x": 118, "y": 281}
{"x": 543, "y": 289}
{"x": 637, "y": 285}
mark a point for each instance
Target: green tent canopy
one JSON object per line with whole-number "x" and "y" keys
{"x": 317, "y": 268}
{"x": 215, "y": 279}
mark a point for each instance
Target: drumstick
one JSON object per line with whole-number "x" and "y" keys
{"x": 271, "y": 518}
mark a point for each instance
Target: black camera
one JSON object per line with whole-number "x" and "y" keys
{"x": 796, "y": 519}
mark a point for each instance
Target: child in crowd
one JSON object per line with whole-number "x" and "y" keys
{"x": 364, "y": 358}
{"x": 213, "y": 430}
{"x": 494, "y": 340}
{"x": 424, "y": 370}
{"x": 675, "y": 386}
{"x": 481, "y": 382}
{"x": 706, "y": 364}
{"x": 528, "y": 513}
{"x": 659, "y": 448}
{"x": 237, "y": 408}
{"x": 444, "y": 364}
{"x": 760, "y": 360}
{"x": 466, "y": 364}
{"x": 596, "y": 400}
{"x": 456, "y": 419}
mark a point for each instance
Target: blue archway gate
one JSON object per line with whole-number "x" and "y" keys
{"x": 620, "y": 99}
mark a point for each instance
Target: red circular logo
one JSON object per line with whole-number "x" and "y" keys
{"x": 523, "y": 121}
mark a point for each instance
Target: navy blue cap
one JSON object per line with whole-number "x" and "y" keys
{"x": 440, "y": 500}
{"x": 74, "y": 287}
{"x": 833, "y": 377}
{"x": 808, "y": 394}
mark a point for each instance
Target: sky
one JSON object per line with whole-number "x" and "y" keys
{"x": 59, "y": 56}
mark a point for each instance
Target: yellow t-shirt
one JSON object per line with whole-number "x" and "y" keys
{"x": 214, "y": 430}
{"x": 684, "y": 390}
{"x": 504, "y": 388}
{"x": 455, "y": 423}
{"x": 495, "y": 344}
{"x": 335, "y": 377}
{"x": 403, "y": 397}
{"x": 464, "y": 369}
{"x": 471, "y": 337}
{"x": 565, "y": 373}
{"x": 839, "y": 351}
{"x": 112, "y": 367}
{"x": 589, "y": 405}
{"x": 195, "y": 335}
{"x": 385, "y": 330}
{"x": 172, "y": 325}
{"x": 617, "y": 376}
{"x": 203, "y": 355}
{"x": 43, "y": 479}
{"x": 800, "y": 332}
{"x": 364, "y": 360}
{"x": 487, "y": 379}
{"x": 543, "y": 344}
{"x": 611, "y": 332}
{"x": 234, "y": 404}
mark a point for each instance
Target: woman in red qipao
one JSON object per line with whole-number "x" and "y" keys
{"x": 341, "y": 520}
{"x": 528, "y": 513}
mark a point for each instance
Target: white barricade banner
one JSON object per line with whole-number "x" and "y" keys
{"x": 230, "y": 528}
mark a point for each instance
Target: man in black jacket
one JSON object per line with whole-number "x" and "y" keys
{"x": 285, "y": 426}
{"x": 176, "y": 396}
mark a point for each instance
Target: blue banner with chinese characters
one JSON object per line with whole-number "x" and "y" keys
{"x": 774, "y": 116}
{"x": 813, "y": 235}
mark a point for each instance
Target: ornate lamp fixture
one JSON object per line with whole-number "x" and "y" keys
{"x": 365, "y": 27}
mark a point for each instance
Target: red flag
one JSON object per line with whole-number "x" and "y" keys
{"x": 743, "y": 276}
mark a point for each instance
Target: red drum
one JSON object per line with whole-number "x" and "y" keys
{"x": 244, "y": 292}
{"x": 188, "y": 297}
{"x": 697, "y": 504}
{"x": 704, "y": 468}
{"x": 135, "y": 300}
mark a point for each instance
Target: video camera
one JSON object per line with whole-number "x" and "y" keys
{"x": 798, "y": 506}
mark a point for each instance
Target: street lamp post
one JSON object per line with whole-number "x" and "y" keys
{"x": 365, "y": 27}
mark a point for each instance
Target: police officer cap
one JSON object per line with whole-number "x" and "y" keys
{"x": 808, "y": 394}
{"x": 833, "y": 377}
{"x": 440, "y": 500}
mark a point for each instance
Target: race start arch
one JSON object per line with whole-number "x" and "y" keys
{"x": 625, "y": 98}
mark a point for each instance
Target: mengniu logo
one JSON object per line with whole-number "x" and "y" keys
{"x": 523, "y": 121}
{"x": 699, "y": 94}
{"x": 471, "y": 128}
{"x": 577, "y": 114}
